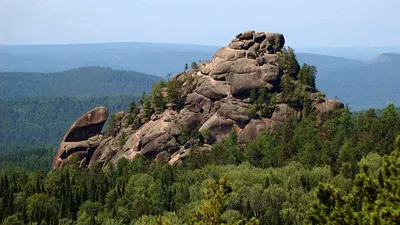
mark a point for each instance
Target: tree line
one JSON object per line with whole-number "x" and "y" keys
{"x": 303, "y": 173}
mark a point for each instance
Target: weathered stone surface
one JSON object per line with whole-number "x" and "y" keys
{"x": 246, "y": 35}
{"x": 234, "y": 112}
{"x": 259, "y": 37}
{"x": 236, "y": 45}
{"x": 328, "y": 105}
{"x": 204, "y": 102}
{"x": 163, "y": 156}
{"x": 273, "y": 43}
{"x": 212, "y": 89}
{"x": 226, "y": 53}
{"x": 254, "y": 128}
{"x": 205, "y": 68}
{"x": 283, "y": 112}
{"x": 82, "y": 137}
{"x": 252, "y": 54}
{"x": 219, "y": 127}
{"x": 191, "y": 120}
{"x": 247, "y": 44}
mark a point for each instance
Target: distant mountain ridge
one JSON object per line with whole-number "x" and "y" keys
{"x": 337, "y": 76}
{"x": 152, "y": 58}
{"x": 372, "y": 84}
{"x": 326, "y": 62}
{"x": 84, "y": 81}
{"x": 386, "y": 58}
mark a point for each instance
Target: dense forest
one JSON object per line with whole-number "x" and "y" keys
{"x": 31, "y": 128}
{"x": 84, "y": 81}
{"x": 342, "y": 168}
{"x": 39, "y": 120}
{"x": 344, "y": 171}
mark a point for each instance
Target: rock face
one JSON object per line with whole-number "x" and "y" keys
{"x": 82, "y": 138}
{"x": 217, "y": 102}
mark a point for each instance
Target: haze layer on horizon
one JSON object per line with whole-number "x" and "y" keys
{"x": 305, "y": 23}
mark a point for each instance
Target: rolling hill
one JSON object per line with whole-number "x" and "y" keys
{"x": 323, "y": 62}
{"x": 35, "y": 121}
{"x": 85, "y": 81}
{"x": 373, "y": 84}
{"x": 360, "y": 83}
{"x": 152, "y": 58}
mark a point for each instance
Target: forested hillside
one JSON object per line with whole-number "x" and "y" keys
{"x": 335, "y": 167}
{"x": 85, "y": 81}
{"x": 369, "y": 85}
{"x": 38, "y": 121}
{"x": 298, "y": 175}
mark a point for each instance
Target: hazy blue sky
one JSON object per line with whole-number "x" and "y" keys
{"x": 305, "y": 23}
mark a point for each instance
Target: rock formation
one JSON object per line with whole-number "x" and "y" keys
{"x": 82, "y": 138}
{"x": 215, "y": 100}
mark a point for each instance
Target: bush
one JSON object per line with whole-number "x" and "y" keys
{"x": 122, "y": 139}
{"x": 174, "y": 91}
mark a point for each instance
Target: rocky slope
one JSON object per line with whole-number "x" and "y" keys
{"x": 215, "y": 98}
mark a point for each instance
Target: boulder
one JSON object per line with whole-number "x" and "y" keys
{"x": 247, "y": 44}
{"x": 212, "y": 89}
{"x": 254, "y": 128}
{"x": 247, "y": 35}
{"x": 235, "y": 112}
{"x": 259, "y": 37}
{"x": 219, "y": 127}
{"x": 283, "y": 112}
{"x": 252, "y": 54}
{"x": 273, "y": 42}
{"x": 82, "y": 137}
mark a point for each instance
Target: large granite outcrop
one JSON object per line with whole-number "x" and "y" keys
{"x": 82, "y": 138}
{"x": 217, "y": 102}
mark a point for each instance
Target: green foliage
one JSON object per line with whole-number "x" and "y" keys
{"x": 30, "y": 158}
{"x": 307, "y": 74}
{"x": 294, "y": 93}
{"x": 122, "y": 139}
{"x": 147, "y": 108}
{"x": 133, "y": 120}
{"x": 194, "y": 66}
{"x": 37, "y": 121}
{"x": 372, "y": 200}
{"x": 288, "y": 62}
{"x": 79, "y": 82}
{"x": 115, "y": 119}
{"x": 210, "y": 211}
{"x": 295, "y": 81}
{"x": 207, "y": 136}
{"x": 40, "y": 207}
{"x": 157, "y": 98}
{"x": 91, "y": 209}
{"x": 188, "y": 83}
{"x": 227, "y": 152}
{"x": 13, "y": 220}
{"x": 262, "y": 101}
{"x": 174, "y": 87}
{"x": 306, "y": 143}
{"x": 211, "y": 187}
{"x": 262, "y": 151}
{"x": 184, "y": 136}
{"x": 132, "y": 107}
{"x": 252, "y": 111}
{"x": 304, "y": 172}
